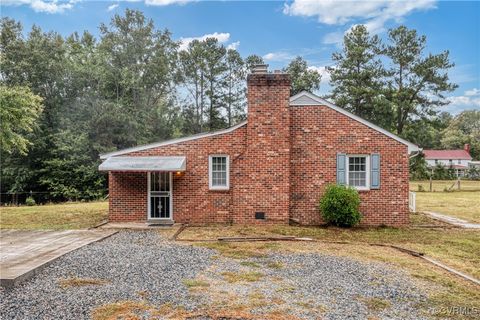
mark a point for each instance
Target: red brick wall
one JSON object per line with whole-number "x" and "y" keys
{"x": 263, "y": 177}
{"x": 317, "y": 134}
{"x": 193, "y": 202}
{"x": 127, "y": 196}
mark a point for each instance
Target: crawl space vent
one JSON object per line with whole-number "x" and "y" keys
{"x": 260, "y": 215}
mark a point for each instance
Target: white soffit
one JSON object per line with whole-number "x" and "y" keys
{"x": 143, "y": 164}
{"x": 308, "y": 99}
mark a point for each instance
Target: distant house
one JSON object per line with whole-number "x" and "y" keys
{"x": 269, "y": 169}
{"x": 459, "y": 160}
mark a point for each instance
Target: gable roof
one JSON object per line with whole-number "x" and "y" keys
{"x": 309, "y": 99}
{"x": 447, "y": 155}
{"x": 172, "y": 141}
{"x": 301, "y": 99}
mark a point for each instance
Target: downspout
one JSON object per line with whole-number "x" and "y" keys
{"x": 416, "y": 154}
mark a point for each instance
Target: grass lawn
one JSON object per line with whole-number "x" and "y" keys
{"x": 440, "y": 185}
{"x": 463, "y": 204}
{"x": 75, "y": 215}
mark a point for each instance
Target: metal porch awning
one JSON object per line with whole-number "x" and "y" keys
{"x": 143, "y": 164}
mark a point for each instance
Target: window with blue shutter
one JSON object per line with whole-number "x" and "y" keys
{"x": 341, "y": 168}
{"x": 375, "y": 171}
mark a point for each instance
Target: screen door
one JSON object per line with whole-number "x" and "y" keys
{"x": 160, "y": 202}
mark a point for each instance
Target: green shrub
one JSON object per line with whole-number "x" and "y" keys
{"x": 339, "y": 206}
{"x": 30, "y": 201}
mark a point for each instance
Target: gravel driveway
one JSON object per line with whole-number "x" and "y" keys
{"x": 136, "y": 262}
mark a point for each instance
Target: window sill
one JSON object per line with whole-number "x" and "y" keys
{"x": 219, "y": 189}
{"x": 361, "y": 189}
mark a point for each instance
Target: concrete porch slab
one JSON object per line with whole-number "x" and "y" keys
{"x": 137, "y": 225}
{"x": 25, "y": 252}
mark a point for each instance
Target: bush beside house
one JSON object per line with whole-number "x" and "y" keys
{"x": 339, "y": 206}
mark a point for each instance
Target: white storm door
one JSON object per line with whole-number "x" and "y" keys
{"x": 160, "y": 195}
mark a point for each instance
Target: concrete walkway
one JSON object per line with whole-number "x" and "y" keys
{"x": 453, "y": 221}
{"x": 23, "y": 253}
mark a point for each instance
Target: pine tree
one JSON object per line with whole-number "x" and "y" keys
{"x": 416, "y": 83}
{"x": 235, "y": 89}
{"x": 357, "y": 77}
{"x": 302, "y": 78}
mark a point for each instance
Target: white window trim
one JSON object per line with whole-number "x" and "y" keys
{"x": 367, "y": 169}
{"x": 210, "y": 176}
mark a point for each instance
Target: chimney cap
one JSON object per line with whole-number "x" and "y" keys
{"x": 260, "y": 68}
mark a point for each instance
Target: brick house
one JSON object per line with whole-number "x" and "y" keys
{"x": 272, "y": 168}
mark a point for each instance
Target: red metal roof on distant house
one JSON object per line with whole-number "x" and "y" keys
{"x": 447, "y": 154}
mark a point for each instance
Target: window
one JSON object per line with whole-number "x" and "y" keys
{"x": 459, "y": 161}
{"x": 219, "y": 172}
{"x": 436, "y": 161}
{"x": 357, "y": 172}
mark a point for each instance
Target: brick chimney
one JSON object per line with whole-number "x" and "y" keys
{"x": 466, "y": 147}
{"x": 264, "y": 189}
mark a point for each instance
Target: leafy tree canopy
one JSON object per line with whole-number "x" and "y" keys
{"x": 19, "y": 110}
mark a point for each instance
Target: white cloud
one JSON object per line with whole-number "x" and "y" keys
{"x": 278, "y": 56}
{"x": 333, "y": 37}
{"x": 468, "y": 101}
{"x": 374, "y": 14}
{"x": 166, "y": 2}
{"x": 473, "y": 92}
{"x": 221, "y": 37}
{"x": 112, "y": 7}
{"x": 323, "y": 72}
{"x": 46, "y": 6}
{"x": 60, "y": 6}
{"x": 233, "y": 45}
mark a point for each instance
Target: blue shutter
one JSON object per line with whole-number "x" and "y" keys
{"x": 341, "y": 168}
{"x": 375, "y": 171}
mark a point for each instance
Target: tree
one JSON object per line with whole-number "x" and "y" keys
{"x": 234, "y": 96}
{"x": 104, "y": 94}
{"x": 463, "y": 129}
{"x": 418, "y": 168}
{"x": 427, "y": 132}
{"x": 69, "y": 173}
{"x": 136, "y": 71}
{"x": 357, "y": 77}
{"x": 192, "y": 75}
{"x": 301, "y": 77}
{"x": 416, "y": 83}
{"x": 215, "y": 68}
{"x": 251, "y": 61}
{"x": 19, "y": 111}
{"x": 36, "y": 61}
{"x": 208, "y": 73}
